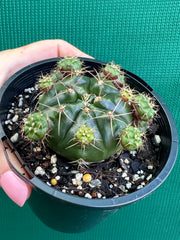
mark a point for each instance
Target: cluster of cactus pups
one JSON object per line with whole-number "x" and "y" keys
{"x": 88, "y": 115}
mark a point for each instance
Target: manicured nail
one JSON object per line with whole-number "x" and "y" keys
{"x": 14, "y": 187}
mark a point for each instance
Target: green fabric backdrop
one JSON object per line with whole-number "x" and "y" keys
{"x": 143, "y": 36}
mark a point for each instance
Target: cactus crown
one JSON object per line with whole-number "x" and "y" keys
{"x": 87, "y": 117}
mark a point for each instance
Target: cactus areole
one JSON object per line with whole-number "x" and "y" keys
{"x": 82, "y": 115}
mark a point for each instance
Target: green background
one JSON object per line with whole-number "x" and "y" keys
{"x": 143, "y": 36}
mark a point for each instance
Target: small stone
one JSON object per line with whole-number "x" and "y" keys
{"x": 64, "y": 190}
{"x": 10, "y": 127}
{"x": 142, "y": 177}
{"x": 135, "y": 177}
{"x": 111, "y": 186}
{"x": 99, "y": 195}
{"x": 76, "y": 182}
{"x": 20, "y": 104}
{"x": 124, "y": 175}
{"x": 79, "y": 187}
{"x": 37, "y": 149}
{"x": 87, "y": 195}
{"x": 123, "y": 189}
{"x": 53, "y": 181}
{"x": 139, "y": 187}
{"x": 48, "y": 183}
{"x": 150, "y": 167}
{"x": 95, "y": 183}
{"x": 149, "y": 177}
{"x": 39, "y": 171}
{"x": 26, "y": 110}
{"x": 157, "y": 139}
{"x": 126, "y": 161}
{"x": 53, "y": 159}
{"x": 74, "y": 171}
{"x": 119, "y": 170}
{"x": 14, "y": 138}
{"x": 8, "y": 116}
{"x": 87, "y": 177}
{"x": 79, "y": 176}
{"x": 133, "y": 153}
{"x": 57, "y": 177}
{"x": 15, "y": 118}
{"x": 126, "y": 178}
{"x": 54, "y": 170}
{"x": 94, "y": 195}
{"x": 128, "y": 185}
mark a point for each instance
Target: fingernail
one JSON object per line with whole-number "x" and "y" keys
{"x": 14, "y": 187}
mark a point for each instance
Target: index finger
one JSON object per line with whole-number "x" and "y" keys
{"x": 15, "y": 59}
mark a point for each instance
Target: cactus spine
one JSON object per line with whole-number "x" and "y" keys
{"x": 84, "y": 116}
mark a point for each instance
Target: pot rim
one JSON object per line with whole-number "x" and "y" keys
{"x": 115, "y": 202}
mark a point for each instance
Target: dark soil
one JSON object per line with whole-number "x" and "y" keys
{"x": 121, "y": 174}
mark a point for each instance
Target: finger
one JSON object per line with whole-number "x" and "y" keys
{"x": 15, "y": 59}
{"x": 13, "y": 186}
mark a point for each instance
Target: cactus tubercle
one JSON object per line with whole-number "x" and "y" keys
{"x": 36, "y": 126}
{"x": 143, "y": 107}
{"x": 72, "y": 64}
{"x": 131, "y": 138}
{"x": 85, "y": 135}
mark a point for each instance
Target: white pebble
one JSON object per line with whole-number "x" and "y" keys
{"x": 76, "y": 182}
{"x": 127, "y": 178}
{"x": 15, "y": 118}
{"x": 128, "y": 185}
{"x": 39, "y": 171}
{"x": 157, "y": 139}
{"x": 150, "y": 167}
{"x": 26, "y": 110}
{"x": 7, "y": 122}
{"x": 14, "y": 138}
{"x": 95, "y": 183}
{"x": 142, "y": 177}
{"x": 135, "y": 177}
{"x": 110, "y": 186}
{"x": 54, "y": 170}
{"x": 11, "y": 111}
{"x": 124, "y": 175}
{"x": 139, "y": 187}
{"x": 8, "y": 116}
{"x": 53, "y": 159}
{"x": 99, "y": 195}
{"x": 149, "y": 177}
{"x": 57, "y": 177}
{"x": 87, "y": 195}
{"x": 64, "y": 190}
{"x": 36, "y": 87}
{"x": 79, "y": 176}
{"x": 126, "y": 161}
{"x": 48, "y": 183}
{"x": 20, "y": 102}
{"x": 133, "y": 153}
{"x": 119, "y": 170}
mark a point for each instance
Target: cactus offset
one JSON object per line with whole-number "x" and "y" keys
{"x": 85, "y": 115}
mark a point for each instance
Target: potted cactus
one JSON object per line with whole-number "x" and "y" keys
{"x": 83, "y": 113}
{"x": 87, "y": 118}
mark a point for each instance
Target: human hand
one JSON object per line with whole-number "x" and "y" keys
{"x": 10, "y": 62}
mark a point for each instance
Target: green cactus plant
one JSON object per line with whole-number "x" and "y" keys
{"x": 83, "y": 115}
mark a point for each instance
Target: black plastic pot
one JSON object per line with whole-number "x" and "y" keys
{"x": 68, "y": 213}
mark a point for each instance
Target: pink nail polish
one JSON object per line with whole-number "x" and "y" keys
{"x": 14, "y": 187}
